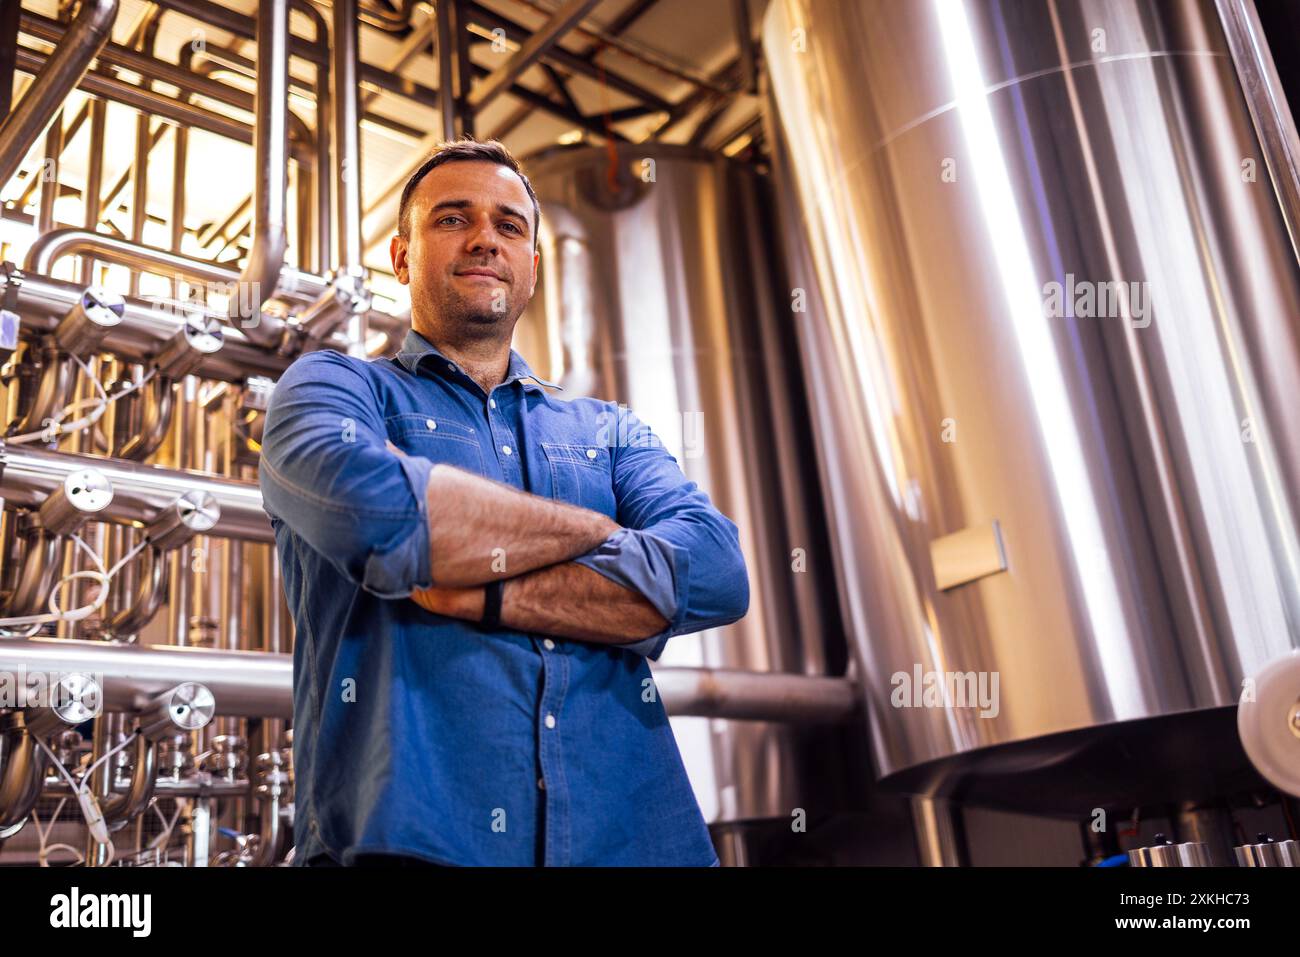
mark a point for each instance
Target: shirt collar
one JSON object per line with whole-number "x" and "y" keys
{"x": 416, "y": 348}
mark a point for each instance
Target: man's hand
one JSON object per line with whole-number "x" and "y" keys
{"x": 564, "y": 600}
{"x": 463, "y": 603}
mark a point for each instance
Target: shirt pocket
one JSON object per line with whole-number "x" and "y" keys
{"x": 580, "y": 475}
{"x": 436, "y": 438}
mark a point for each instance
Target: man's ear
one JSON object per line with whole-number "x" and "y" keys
{"x": 397, "y": 250}
{"x": 533, "y": 281}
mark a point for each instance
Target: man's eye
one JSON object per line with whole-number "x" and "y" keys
{"x": 514, "y": 227}
{"x": 445, "y": 218}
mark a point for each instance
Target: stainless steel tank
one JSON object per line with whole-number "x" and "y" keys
{"x": 659, "y": 289}
{"x": 1053, "y": 344}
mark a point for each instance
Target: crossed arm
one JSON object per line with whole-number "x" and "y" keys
{"x": 482, "y": 531}
{"x": 402, "y": 526}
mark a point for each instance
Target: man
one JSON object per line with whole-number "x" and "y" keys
{"x": 479, "y": 572}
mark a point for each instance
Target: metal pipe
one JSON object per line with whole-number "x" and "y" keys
{"x": 350, "y": 276}
{"x": 20, "y": 777}
{"x": 47, "y": 250}
{"x": 57, "y": 378}
{"x": 95, "y": 180}
{"x": 243, "y": 683}
{"x": 123, "y": 807}
{"x": 147, "y": 599}
{"x": 271, "y": 786}
{"x": 44, "y": 551}
{"x": 146, "y": 328}
{"x": 66, "y": 66}
{"x": 157, "y": 418}
{"x": 182, "y": 558}
{"x": 755, "y": 695}
{"x": 141, "y": 493}
{"x": 258, "y": 684}
{"x": 265, "y": 260}
{"x": 144, "y": 143}
{"x": 322, "y": 174}
{"x": 48, "y": 176}
{"x": 344, "y": 58}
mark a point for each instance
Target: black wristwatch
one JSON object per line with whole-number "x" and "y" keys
{"x": 492, "y": 605}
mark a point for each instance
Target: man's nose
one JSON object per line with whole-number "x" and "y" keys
{"x": 483, "y": 237}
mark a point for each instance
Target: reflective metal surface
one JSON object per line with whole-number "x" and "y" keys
{"x": 1056, "y": 293}
{"x": 657, "y": 289}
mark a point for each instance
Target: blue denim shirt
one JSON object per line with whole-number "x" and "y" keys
{"x": 420, "y": 734}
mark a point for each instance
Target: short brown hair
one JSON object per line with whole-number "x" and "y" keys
{"x": 461, "y": 150}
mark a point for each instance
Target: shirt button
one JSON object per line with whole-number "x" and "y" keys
{"x": 505, "y": 449}
{"x": 430, "y": 423}
{"x": 492, "y": 403}
{"x": 541, "y": 783}
{"x": 550, "y": 720}
{"x": 591, "y": 453}
{"x": 550, "y": 645}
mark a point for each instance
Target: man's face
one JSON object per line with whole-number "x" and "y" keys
{"x": 469, "y": 258}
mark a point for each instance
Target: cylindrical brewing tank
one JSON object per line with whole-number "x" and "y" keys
{"x": 1080, "y": 494}
{"x": 658, "y": 289}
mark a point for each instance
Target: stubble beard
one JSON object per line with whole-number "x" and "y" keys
{"x": 457, "y": 314}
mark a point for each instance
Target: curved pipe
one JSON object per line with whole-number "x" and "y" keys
{"x": 64, "y": 70}
{"x": 148, "y": 598}
{"x": 57, "y": 378}
{"x": 48, "y": 249}
{"x": 271, "y": 180}
{"x": 43, "y": 560}
{"x": 271, "y": 834}
{"x": 159, "y": 405}
{"x": 271, "y": 787}
{"x": 120, "y": 808}
{"x": 20, "y": 771}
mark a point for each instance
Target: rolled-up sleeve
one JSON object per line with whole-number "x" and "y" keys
{"x": 327, "y": 473}
{"x": 675, "y": 548}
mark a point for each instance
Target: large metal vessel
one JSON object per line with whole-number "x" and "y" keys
{"x": 1055, "y": 354}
